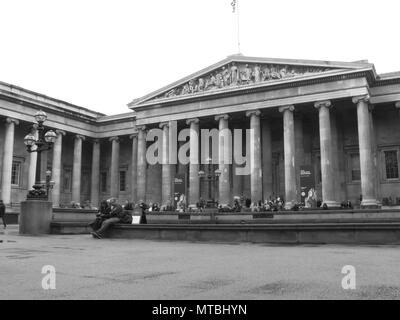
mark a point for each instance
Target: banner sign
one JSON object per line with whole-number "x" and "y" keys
{"x": 179, "y": 187}
{"x": 307, "y": 182}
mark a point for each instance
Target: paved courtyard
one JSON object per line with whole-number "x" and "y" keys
{"x": 139, "y": 269}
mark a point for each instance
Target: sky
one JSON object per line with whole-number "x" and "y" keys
{"x": 102, "y": 54}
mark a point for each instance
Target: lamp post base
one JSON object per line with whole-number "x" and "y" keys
{"x": 35, "y": 217}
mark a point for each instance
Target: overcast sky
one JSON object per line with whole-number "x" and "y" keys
{"x": 101, "y": 54}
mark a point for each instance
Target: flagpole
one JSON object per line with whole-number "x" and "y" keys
{"x": 238, "y": 25}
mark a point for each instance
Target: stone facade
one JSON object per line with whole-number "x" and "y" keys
{"x": 341, "y": 119}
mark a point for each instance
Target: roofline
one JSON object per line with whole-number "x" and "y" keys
{"x": 241, "y": 58}
{"x": 29, "y": 94}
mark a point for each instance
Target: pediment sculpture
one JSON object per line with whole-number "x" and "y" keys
{"x": 239, "y": 74}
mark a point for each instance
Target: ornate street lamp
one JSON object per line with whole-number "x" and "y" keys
{"x": 210, "y": 178}
{"x": 44, "y": 142}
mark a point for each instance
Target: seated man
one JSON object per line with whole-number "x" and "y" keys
{"x": 103, "y": 214}
{"x": 116, "y": 215}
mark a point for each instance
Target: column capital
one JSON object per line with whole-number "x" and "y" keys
{"x": 12, "y": 120}
{"x": 324, "y": 103}
{"x": 141, "y": 128}
{"x": 222, "y": 116}
{"x": 95, "y": 141}
{"x": 288, "y": 107}
{"x": 133, "y": 135}
{"x": 61, "y": 132}
{"x": 253, "y": 112}
{"x": 78, "y": 136}
{"x": 193, "y": 120}
{"x": 363, "y": 98}
{"x": 397, "y": 104}
{"x": 163, "y": 124}
{"x": 116, "y": 138}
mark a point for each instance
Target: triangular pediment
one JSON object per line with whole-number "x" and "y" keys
{"x": 239, "y": 72}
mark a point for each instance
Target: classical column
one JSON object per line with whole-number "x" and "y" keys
{"x": 56, "y": 170}
{"x": 224, "y": 160}
{"x": 114, "y": 179}
{"x": 7, "y": 160}
{"x": 255, "y": 156}
{"x": 327, "y": 156}
{"x": 366, "y": 157}
{"x": 289, "y": 151}
{"x": 166, "y": 177}
{"x": 194, "y": 180}
{"x": 266, "y": 141}
{"x": 141, "y": 164}
{"x": 95, "y": 180}
{"x": 134, "y": 138}
{"x": 32, "y": 164}
{"x": 76, "y": 168}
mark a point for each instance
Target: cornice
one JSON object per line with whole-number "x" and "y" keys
{"x": 254, "y": 88}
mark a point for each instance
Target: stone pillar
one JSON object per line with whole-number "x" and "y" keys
{"x": 134, "y": 138}
{"x": 299, "y": 153}
{"x": 255, "y": 155}
{"x": 340, "y": 193}
{"x": 76, "y": 168}
{"x": 266, "y": 141}
{"x": 224, "y": 160}
{"x": 141, "y": 164}
{"x": 194, "y": 179}
{"x": 114, "y": 172}
{"x": 7, "y": 160}
{"x": 56, "y": 170}
{"x": 327, "y": 156}
{"x": 32, "y": 165}
{"x": 365, "y": 147}
{"x": 166, "y": 177}
{"x": 95, "y": 179}
{"x": 289, "y": 151}
{"x": 378, "y": 194}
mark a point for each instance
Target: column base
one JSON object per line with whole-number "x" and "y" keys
{"x": 289, "y": 205}
{"x": 370, "y": 204}
{"x": 35, "y": 217}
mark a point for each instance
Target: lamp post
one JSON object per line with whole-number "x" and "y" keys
{"x": 210, "y": 178}
{"x": 44, "y": 142}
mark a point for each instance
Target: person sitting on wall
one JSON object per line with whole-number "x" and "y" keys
{"x": 87, "y": 205}
{"x": 200, "y": 205}
{"x": 143, "y": 206}
{"x": 128, "y": 205}
{"x": 103, "y": 214}
{"x": 167, "y": 207}
{"x": 254, "y": 207}
{"x": 236, "y": 204}
{"x": 117, "y": 215}
{"x": 155, "y": 207}
{"x": 3, "y": 213}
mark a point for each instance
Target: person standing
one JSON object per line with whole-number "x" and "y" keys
{"x": 3, "y": 213}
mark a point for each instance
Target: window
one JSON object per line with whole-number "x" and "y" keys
{"x": 391, "y": 164}
{"x": 122, "y": 180}
{"x": 15, "y": 173}
{"x": 103, "y": 181}
{"x": 67, "y": 181}
{"x": 355, "y": 167}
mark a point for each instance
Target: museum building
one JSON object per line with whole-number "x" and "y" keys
{"x": 332, "y": 124}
